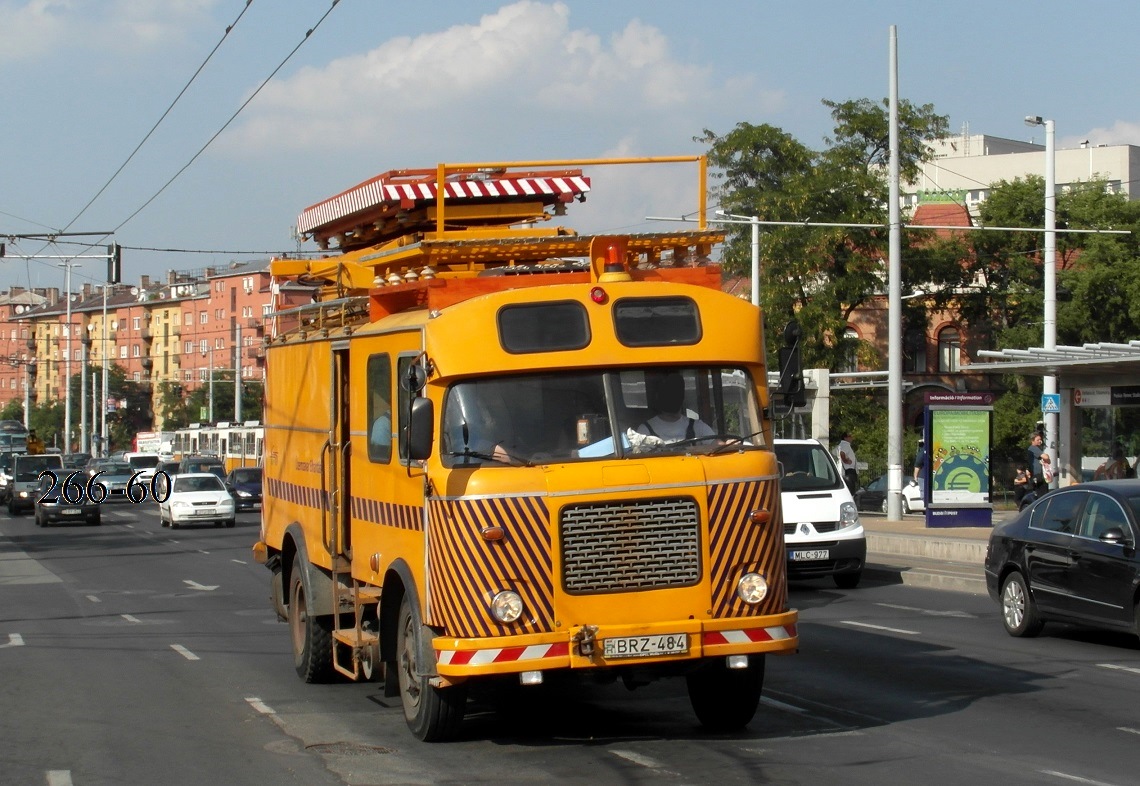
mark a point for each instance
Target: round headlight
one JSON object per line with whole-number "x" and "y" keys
{"x": 752, "y": 588}
{"x": 507, "y": 606}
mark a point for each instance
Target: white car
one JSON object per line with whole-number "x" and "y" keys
{"x": 197, "y": 497}
{"x": 822, "y": 530}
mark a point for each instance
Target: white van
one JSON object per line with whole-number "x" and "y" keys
{"x": 822, "y": 530}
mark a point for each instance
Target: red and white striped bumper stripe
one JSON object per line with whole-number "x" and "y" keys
{"x": 749, "y": 635}
{"x": 534, "y": 653}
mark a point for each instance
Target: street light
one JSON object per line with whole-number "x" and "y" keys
{"x": 1049, "y": 386}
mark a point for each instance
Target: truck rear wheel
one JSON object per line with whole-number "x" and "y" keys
{"x": 311, "y": 634}
{"x": 726, "y": 699}
{"x": 433, "y": 714}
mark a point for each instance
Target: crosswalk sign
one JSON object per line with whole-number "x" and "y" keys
{"x": 1051, "y": 403}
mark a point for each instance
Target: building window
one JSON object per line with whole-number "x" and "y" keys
{"x": 188, "y": 318}
{"x": 135, "y": 351}
{"x": 851, "y": 359}
{"x": 123, "y": 351}
{"x": 949, "y": 351}
{"x": 219, "y": 343}
{"x": 914, "y": 351}
{"x": 203, "y": 317}
{"x": 203, "y": 346}
{"x": 135, "y": 323}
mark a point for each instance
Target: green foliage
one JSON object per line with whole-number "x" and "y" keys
{"x": 817, "y": 274}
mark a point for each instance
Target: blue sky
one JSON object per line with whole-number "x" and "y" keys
{"x": 381, "y": 85}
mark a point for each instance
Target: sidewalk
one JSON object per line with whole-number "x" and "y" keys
{"x": 908, "y": 552}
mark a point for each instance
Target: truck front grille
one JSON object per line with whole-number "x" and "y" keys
{"x": 627, "y": 546}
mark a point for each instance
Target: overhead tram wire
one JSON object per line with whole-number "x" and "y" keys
{"x": 158, "y": 122}
{"x": 233, "y": 117}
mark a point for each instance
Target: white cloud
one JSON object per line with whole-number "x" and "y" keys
{"x": 519, "y": 75}
{"x": 1121, "y": 132}
{"x": 35, "y": 29}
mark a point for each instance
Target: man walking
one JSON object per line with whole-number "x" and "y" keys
{"x": 1033, "y": 459}
{"x": 847, "y": 462}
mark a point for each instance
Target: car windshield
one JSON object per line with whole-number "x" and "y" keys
{"x": 28, "y": 467}
{"x": 570, "y": 416}
{"x": 143, "y": 462}
{"x": 184, "y": 483}
{"x": 115, "y": 469}
{"x": 247, "y": 475}
{"x": 806, "y": 467}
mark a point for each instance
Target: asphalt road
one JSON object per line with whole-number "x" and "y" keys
{"x": 133, "y": 654}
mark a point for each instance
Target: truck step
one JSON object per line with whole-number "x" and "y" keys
{"x": 355, "y": 638}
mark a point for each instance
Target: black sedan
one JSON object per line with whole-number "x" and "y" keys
{"x": 60, "y": 499}
{"x": 1069, "y": 557}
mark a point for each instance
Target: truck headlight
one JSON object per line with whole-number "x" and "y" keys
{"x": 506, "y": 606}
{"x": 848, "y": 515}
{"x": 752, "y": 588}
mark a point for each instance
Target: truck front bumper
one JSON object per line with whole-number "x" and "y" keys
{"x": 583, "y": 647}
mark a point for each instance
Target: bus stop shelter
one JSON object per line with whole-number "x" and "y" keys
{"x": 1092, "y": 375}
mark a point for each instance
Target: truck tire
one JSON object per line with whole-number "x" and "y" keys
{"x": 311, "y": 634}
{"x": 433, "y": 714}
{"x": 726, "y": 699}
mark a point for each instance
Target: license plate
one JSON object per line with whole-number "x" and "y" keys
{"x": 71, "y": 511}
{"x": 205, "y": 511}
{"x": 646, "y": 646}
{"x": 807, "y": 556}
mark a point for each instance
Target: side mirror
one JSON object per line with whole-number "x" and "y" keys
{"x": 421, "y": 429}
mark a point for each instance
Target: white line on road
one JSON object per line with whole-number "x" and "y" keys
{"x": 197, "y": 586}
{"x": 238, "y": 561}
{"x": 130, "y": 618}
{"x": 93, "y": 599}
{"x": 185, "y": 653}
{"x": 1077, "y": 778}
{"x": 930, "y": 612}
{"x": 14, "y": 640}
{"x": 782, "y": 706}
{"x": 880, "y": 627}
{"x": 637, "y": 758}
{"x": 1127, "y": 729}
{"x": 59, "y": 777}
{"x": 1119, "y": 668}
{"x": 259, "y": 705}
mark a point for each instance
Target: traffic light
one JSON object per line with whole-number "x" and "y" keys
{"x": 114, "y": 263}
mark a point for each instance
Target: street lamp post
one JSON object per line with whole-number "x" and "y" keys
{"x": 67, "y": 359}
{"x": 1049, "y": 385}
{"x": 755, "y": 222}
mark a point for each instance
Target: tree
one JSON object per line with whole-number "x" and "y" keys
{"x": 819, "y": 275}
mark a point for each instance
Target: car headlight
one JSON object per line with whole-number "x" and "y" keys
{"x": 506, "y": 606}
{"x": 752, "y": 588}
{"x": 243, "y": 493}
{"x": 180, "y": 505}
{"x": 848, "y": 515}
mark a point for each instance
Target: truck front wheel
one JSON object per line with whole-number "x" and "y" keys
{"x": 433, "y": 714}
{"x": 726, "y": 699}
{"x": 311, "y": 634}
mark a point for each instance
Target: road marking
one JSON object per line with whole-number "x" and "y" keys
{"x": 929, "y": 612}
{"x": 1126, "y": 729}
{"x": 238, "y": 561}
{"x": 203, "y": 551}
{"x": 185, "y": 653}
{"x": 1077, "y": 778}
{"x": 195, "y": 585}
{"x": 14, "y": 640}
{"x": 93, "y": 599}
{"x": 259, "y": 705}
{"x": 880, "y": 627}
{"x": 637, "y": 758}
{"x": 59, "y": 777}
{"x": 130, "y": 618}
{"x": 1119, "y": 668}
{"x": 782, "y": 706}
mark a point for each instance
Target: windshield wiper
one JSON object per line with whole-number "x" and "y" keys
{"x": 733, "y": 441}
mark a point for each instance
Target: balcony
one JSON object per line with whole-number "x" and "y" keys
{"x": 147, "y": 363}
{"x": 256, "y": 352}
{"x": 255, "y": 324}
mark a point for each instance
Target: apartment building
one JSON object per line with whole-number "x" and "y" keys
{"x": 186, "y": 330}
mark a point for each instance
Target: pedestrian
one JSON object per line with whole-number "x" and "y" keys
{"x": 1033, "y": 458}
{"x": 846, "y": 453}
{"x": 920, "y": 461}
{"x": 1116, "y": 467}
{"x": 1022, "y": 482}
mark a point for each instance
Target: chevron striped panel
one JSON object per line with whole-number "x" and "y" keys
{"x": 738, "y": 546}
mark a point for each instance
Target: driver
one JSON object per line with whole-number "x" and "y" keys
{"x": 671, "y": 422}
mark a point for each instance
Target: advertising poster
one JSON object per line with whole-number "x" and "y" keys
{"x": 960, "y": 456}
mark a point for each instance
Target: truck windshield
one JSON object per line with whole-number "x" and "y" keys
{"x": 573, "y": 416}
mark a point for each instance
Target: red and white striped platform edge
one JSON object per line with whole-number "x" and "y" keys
{"x": 376, "y": 192}
{"x": 538, "y": 652}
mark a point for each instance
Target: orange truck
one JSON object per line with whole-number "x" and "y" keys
{"x": 463, "y": 481}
